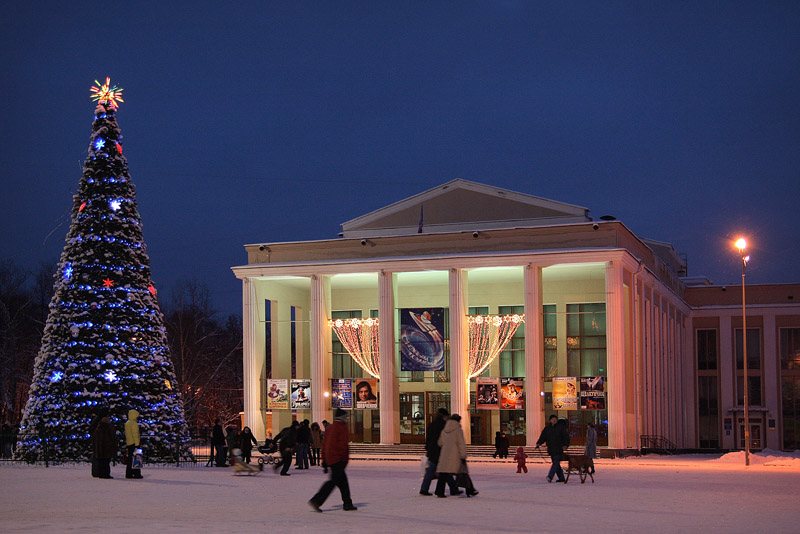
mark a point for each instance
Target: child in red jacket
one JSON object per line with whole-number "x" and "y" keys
{"x": 520, "y": 458}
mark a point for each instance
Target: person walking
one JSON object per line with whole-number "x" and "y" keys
{"x": 218, "y": 450}
{"x": 520, "y": 458}
{"x": 335, "y": 454}
{"x": 452, "y": 456}
{"x": 433, "y": 451}
{"x": 132, "y": 443}
{"x": 504, "y": 445}
{"x": 246, "y": 441}
{"x": 104, "y": 446}
{"x": 591, "y": 441}
{"x": 557, "y": 438}
{"x": 316, "y": 444}
{"x": 287, "y": 441}
{"x": 496, "y": 444}
{"x": 303, "y": 445}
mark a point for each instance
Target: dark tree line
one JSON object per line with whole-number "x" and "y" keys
{"x": 206, "y": 350}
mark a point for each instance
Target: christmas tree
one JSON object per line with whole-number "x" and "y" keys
{"x": 104, "y": 349}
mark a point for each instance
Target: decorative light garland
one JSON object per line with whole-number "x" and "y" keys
{"x": 488, "y": 336}
{"x": 360, "y": 338}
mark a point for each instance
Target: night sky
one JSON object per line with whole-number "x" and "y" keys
{"x": 249, "y": 122}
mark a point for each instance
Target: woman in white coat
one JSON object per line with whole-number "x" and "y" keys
{"x": 454, "y": 453}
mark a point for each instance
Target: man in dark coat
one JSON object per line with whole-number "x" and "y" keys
{"x": 433, "y": 450}
{"x": 335, "y": 454}
{"x": 303, "y": 445}
{"x": 557, "y": 438}
{"x": 218, "y": 451}
{"x": 104, "y": 447}
{"x": 287, "y": 442}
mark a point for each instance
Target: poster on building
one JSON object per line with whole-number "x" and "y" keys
{"x": 277, "y": 394}
{"x": 512, "y": 393}
{"x": 593, "y": 396}
{"x": 422, "y": 339}
{"x": 301, "y": 394}
{"x": 565, "y": 393}
{"x": 342, "y": 393}
{"x": 488, "y": 397}
{"x": 365, "y": 393}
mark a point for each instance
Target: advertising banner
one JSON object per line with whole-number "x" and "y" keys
{"x": 342, "y": 393}
{"x": 277, "y": 394}
{"x": 488, "y": 397}
{"x": 565, "y": 393}
{"x": 422, "y": 339}
{"x": 593, "y": 396}
{"x": 301, "y": 394}
{"x": 365, "y": 393}
{"x": 512, "y": 393}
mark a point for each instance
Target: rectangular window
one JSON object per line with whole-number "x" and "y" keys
{"x": 342, "y": 363}
{"x": 550, "y": 341}
{"x": 790, "y": 349}
{"x": 791, "y": 412}
{"x": 293, "y": 341}
{"x": 708, "y": 412}
{"x": 512, "y": 358}
{"x": 706, "y": 350}
{"x": 586, "y": 339}
{"x": 753, "y": 349}
{"x": 268, "y": 336}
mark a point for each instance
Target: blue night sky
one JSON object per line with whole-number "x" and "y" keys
{"x": 276, "y": 121}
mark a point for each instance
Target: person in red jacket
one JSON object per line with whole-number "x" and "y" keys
{"x": 335, "y": 454}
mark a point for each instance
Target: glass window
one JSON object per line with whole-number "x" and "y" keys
{"x": 790, "y": 348}
{"x": 268, "y": 335}
{"x": 753, "y": 393}
{"x": 706, "y": 349}
{"x": 708, "y": 411}
{"x": 550, "y": 340}
{"x": 343, "y": 364}
{"x": 753, "y": 349}
{"x": 586, "y": 339}
{"x": 791, "y": 412}
{"x": 512, "y": 358}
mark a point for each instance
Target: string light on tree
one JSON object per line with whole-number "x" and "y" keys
{"x": 104, "y": 346}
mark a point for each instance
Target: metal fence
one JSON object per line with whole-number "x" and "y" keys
{"x": 195, "y": 453}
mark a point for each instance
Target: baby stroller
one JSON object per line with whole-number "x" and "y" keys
{"x": 239, "y": 467}
{"x": 269, "y": 450}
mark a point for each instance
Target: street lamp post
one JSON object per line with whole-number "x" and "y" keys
{"x": 741, "y": 244}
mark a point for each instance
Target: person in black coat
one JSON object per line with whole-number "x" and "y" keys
{"x": 218, "y": 449}
{"x": 287, "y": 442}
{"x": 303, "y": 445}
{"x": 246, "y": 441}
{"x": 104, "y": 447}
{"x": 503, "y": 445}
{"x": 557, "y": 438}
{"x": 433, "y": 450}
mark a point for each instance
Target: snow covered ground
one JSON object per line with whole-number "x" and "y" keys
{"x": 643, "y": 494}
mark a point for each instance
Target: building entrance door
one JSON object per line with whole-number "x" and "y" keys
{"x": 756, "y": 434}
{"x": 433, "y": 401}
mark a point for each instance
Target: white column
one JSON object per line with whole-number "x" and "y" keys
{"x": 615, "y": 335}
{"x": 772, "y": 375}
{"x": 320, "y": 336}
{"x": 459, "y": 347}
{"x": 389, "y": 387}
{"x": 534, "y": 354}
{"x": 252, "y": 368}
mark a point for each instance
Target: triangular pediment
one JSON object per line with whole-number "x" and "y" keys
{"x": 463, "y": 205}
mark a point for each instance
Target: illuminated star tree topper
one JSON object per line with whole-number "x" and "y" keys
{"x": 107, "y": 93}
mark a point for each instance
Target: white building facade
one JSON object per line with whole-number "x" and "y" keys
{"x": 599, "y": 304}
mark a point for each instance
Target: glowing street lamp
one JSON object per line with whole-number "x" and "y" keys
{"x": 741, "y": 244}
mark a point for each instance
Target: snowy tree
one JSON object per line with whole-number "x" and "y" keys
{"x": 104, "y": 348}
